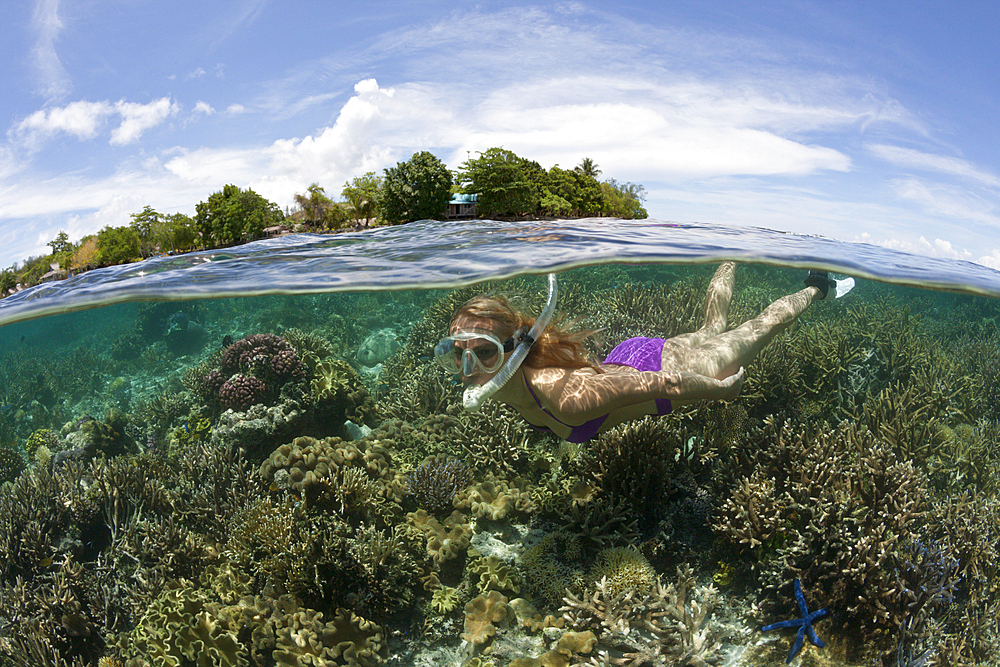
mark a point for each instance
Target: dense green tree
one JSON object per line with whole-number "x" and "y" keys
{"x": 505, "y": 184}
{"x": 362, "y": 193}
{"x": 582, "y": 193}
{"x": 146, "y": 223}
{"x": 118, "y": 245}
{"x": 176, "y": 232}
{"x": 623, "y": 200}
{"x": 8, "y": 281}
{"x": 234, "y": 215}
{"x": 60, "y": 243}
{"x": 62, "y": 250}
{"x": 416, "y": 189}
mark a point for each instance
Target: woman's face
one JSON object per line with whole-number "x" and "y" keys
{"x": 465, "y": 322}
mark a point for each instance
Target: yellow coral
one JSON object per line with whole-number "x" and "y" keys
{"x": 177, "y": 627}
{"x": 444, "y": 599}
{"x": 570, "y": 644}
{"x": 346, "y": 640}
{"x": 494, "y": 575}
{"x": 531, "y": 619}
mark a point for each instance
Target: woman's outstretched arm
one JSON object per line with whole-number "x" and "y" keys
{"x": 577, "y": 397}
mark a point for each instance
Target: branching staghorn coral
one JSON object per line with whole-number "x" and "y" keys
{"x": 668, "y": 625}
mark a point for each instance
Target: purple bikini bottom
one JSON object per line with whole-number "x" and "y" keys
{"x": 642, "y": 354}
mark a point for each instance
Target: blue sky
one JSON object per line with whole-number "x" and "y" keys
{"x": 859, "y": 121}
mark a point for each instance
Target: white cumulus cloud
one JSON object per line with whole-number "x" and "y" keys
{"x": 137, "y": 118}
{"x": 85, "y": 120}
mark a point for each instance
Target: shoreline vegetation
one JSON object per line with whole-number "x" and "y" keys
{"x": 496, "y": 184}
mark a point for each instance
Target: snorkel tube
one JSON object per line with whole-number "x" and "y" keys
{"x": 475, "y": 396}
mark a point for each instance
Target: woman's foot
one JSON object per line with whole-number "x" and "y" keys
{"x": 822, "y": 281}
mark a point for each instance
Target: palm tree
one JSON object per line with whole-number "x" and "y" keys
{"x": 588, "y": 167}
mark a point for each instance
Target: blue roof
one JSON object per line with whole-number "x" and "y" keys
{"x": 460, "y": 198}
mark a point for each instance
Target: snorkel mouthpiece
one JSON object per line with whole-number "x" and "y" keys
{"x": 475, "y": 396}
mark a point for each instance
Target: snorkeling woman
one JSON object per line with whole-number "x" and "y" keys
{"x": 559, "y": 390}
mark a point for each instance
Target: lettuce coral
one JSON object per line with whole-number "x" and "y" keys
{"x": 444, "y": 540}
{"x": 303, "y": 639}
{"x": 481, "y": 613}
{"x": 178, "y": 629}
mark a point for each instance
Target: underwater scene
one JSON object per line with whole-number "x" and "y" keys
{"x": 292, "y": 479}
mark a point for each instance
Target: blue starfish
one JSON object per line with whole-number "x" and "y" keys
{"x": 804, "y": 624}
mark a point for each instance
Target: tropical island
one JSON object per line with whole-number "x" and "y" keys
{"x": 496, "y": 184}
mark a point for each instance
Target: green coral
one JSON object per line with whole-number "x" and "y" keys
{"x": 178, "y": 629}
{"x": 41, "y": 437}
{"x": 623, "y": 569}
{"x": 11, "y": 464}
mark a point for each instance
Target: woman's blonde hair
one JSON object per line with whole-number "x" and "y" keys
{"x": 557, "y": 346}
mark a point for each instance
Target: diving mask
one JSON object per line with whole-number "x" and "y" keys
{"x": 482, "y": 350}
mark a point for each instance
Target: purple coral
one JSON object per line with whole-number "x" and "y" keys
{"x": 436, "y": 481}
{"x": 262, "y": 352}
{"x": 241, "y": 391}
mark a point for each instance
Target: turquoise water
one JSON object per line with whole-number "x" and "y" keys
{"x": 861, "y": 458}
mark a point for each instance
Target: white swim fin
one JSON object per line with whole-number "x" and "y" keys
{"x": 844, "y": 285}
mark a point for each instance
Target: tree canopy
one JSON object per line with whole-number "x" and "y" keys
{"x": 417, "y": 189}
{"x": 362, "y": 193}
{"x": 234, "y": 215}
{"x": 505, "y": 184}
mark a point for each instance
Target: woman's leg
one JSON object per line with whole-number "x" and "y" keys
{"x": 722, "y": 355}
{"x": 717, "y": 299}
